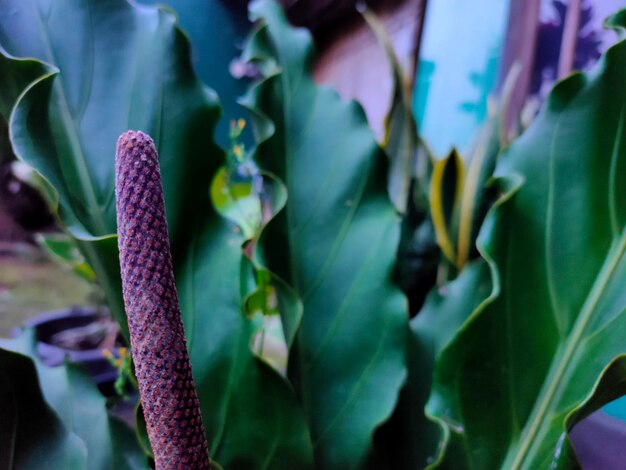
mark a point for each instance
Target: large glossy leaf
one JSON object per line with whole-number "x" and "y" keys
{"x": 410, "y": 440}
{"x": 62, "y": 249}
{"x": 117, "y": 67}
{"x": 12, "y": 84}
{"x": 31, "y": 434}
{"x": 334, "y": 243}
{"x": 122, "y": 66}
{"x": 512, "y": 382}
{"x": 250, "y": 413}
{"x": 74, "y": 397}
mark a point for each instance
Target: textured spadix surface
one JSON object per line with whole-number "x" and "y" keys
{"x": 162, "y": 364}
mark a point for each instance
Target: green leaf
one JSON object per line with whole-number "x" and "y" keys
{"x": 133, "y": 71}
{"x": 12, "y": 84}
{"x": 118, "y": 66}
{"x": 31, "y": 434}
{"x": 444, "y": 313}
{"x": 102, "y": 255}
{"x": 475, "y": 196}
{"x": 410, "y": 440}
{"x": 513, "y": 381}
{"x": 446, "y": 185}
{"x": 334, "y": 243}
{"x": 123, "y": 66}
{"x": 250, "y": 414}
{"x": 141, "y": 431}
{"x": 62, "y": 248}
{"x": 401, "y": 139}
{"x": 83, "y": 409}
{"x": 237, "y": 201}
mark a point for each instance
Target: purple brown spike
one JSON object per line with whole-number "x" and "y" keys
{"x": 166, "y": 386}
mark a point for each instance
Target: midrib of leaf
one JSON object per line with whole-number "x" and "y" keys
{"x": 554, "y": 304}
{"x": 512, "y": 371}
{"x": 613, "y": 176}
{"x": 231, "y": 375}
{"x": 70, "y": 419}
{"x": 357, "y": 386}
{"x": 286, "y": 102}
{"x": 228, "y": 393}
{"x": 86, "y": 94}
{"x": 343, "y": 232}
{"x": 562, "y": 361}
{"x": 325, "y": 183}
{"x": 344, "y": 307}
{"x": 77, "y": 155}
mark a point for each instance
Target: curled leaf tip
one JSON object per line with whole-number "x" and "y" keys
{"x": 162, "y": 365}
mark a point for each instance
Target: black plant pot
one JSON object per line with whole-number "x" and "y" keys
{"x": 93, "y": 361}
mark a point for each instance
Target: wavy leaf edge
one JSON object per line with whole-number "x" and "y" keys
{"x": 511, "y": 183}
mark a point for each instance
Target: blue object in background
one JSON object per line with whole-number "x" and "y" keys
{"x": 617, "y": 408}
{"x": 457, "y": 71}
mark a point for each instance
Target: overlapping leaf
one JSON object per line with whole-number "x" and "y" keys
{"x": 334, "y": 243}
{"x": 31, "y": 434}
{"x": 117, "y": 67}
{"x": 514, "y": 379}
{"x": 410, "y": 440}
{"x": 250, "y": 413}
{"x": 108, "y": 442}
{"x": 110, "y": 66}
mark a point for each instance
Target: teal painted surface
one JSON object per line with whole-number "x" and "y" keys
{"x": 617, "y": 408}
{"x": 458, "y": 69}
